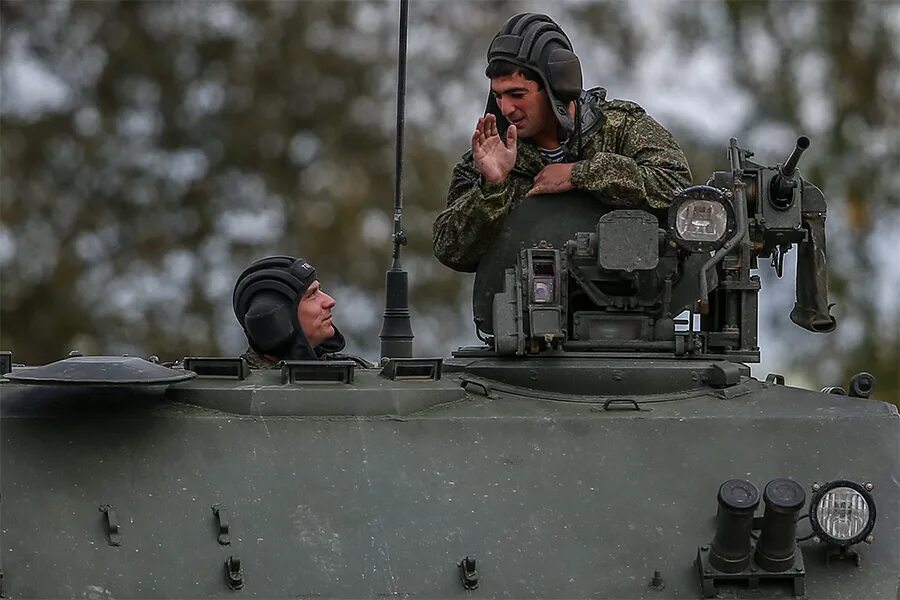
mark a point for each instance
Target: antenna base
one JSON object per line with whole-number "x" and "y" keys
{"x": 396, "y": 330}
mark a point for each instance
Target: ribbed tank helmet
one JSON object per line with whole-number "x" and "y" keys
{"x": 265, "y": 301}
{"x": 534, "y": 41}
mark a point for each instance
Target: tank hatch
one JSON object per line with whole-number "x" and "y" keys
{"x": 99, "y": 370}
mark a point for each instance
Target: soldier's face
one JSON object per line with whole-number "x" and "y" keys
{"x": 526, "y": 105}
{"x": 314, "y": 314}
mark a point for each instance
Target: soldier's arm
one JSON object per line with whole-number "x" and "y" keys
{"x": 648, "y": 169}
{"x": 464, "y": 231}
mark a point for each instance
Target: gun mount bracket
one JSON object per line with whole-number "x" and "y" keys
{"x": 751, "y": 576}
{"x": 842, "y": 553}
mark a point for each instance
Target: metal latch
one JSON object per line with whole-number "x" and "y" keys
{"x": 468, "y": 574}
{"x": 234, "y": 573}
{"x": 113, "y": 533}
{"x": 775, "y": 379}
{"x": 486, "y": 389}
{"x": 412, "y": 369}
{"x": 317, "y": 371}
{"x": 218, "y": 368}
{"x": 620, "y": 404}
{"x": 223, "y": 524}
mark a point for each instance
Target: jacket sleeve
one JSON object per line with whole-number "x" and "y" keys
{"x": 647, "y": 170}
{"x": 464, "y": 230}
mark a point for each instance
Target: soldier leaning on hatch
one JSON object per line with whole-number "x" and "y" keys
{"x": 620, "y": 153}
{"x": 286, "y": 315}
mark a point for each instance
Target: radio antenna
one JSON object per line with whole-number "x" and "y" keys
{"x": 396, "y": 330}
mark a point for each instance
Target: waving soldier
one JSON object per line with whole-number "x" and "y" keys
{"x": 543, "y": 134}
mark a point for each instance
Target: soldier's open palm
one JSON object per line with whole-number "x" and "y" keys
{"x": 493, "y": 158}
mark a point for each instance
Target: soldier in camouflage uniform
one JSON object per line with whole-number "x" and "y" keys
{"x": 285, "y": 314}
{"x": 528, "y": 143}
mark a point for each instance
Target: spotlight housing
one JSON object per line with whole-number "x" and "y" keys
{"x": 701, "y": 219}
{"x": 842, "y": 512}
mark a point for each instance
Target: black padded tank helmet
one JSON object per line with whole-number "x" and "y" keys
{"x": 265, "y": 302}
{"x": 534, "y": 41}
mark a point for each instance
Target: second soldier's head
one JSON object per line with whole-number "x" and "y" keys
{"x": 283, "y": 310}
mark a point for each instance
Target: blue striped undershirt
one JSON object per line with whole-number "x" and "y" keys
{"x": 555, "y": 156}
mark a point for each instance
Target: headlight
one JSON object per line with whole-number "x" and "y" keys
{"x": 701, "y": 219}
{"x": 842, "y": 512}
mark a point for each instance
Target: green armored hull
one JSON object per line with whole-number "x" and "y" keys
{"x": 380, "y": 487}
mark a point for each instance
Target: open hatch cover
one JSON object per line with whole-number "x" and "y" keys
{"x": 99, "y": 370}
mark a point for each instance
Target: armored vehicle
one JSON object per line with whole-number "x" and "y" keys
{"x": 606, "y": 441}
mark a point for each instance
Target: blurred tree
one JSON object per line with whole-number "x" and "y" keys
{"x": 831, "y": 72}
{"x": 150, "y": 150}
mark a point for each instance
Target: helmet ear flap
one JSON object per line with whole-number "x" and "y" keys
{"x": 269, "y": 325}
{"x": 564, "y": 74}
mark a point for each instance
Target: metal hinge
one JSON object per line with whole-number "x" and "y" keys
{"x": 234, "y": 573}
{"x": 223, "y": 524}
{"x": 113, "y": 530}
{"x": 468, "y": 574}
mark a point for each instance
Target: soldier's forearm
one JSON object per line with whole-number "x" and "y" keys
{"x": 468, "y": 226}
{"x": 615, "y": 178}
{"x": 622, "y": 181}
{"x": 464, "y": 231}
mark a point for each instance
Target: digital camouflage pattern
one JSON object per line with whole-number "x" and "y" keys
{"x": 628, "y": 161}
{"x": 255, "y": 360}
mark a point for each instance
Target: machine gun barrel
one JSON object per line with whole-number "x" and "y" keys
{"x": 781, "y": 190}
{"x": 790, "y": 165}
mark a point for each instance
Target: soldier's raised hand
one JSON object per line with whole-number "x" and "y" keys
{"x": 493, "y": 158}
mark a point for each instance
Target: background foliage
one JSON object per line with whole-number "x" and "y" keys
{"x": 150, "y": 150}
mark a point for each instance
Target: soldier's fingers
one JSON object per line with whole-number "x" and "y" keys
{"x": 492, "y": 127}
{"x": 476, "y": 142}
{"x": 512, "y": 136}
{"x": 537, "y": 189}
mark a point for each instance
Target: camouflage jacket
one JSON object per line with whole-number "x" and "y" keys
{"x": 258, "y": 361}
{"x": 627, "y": 161}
